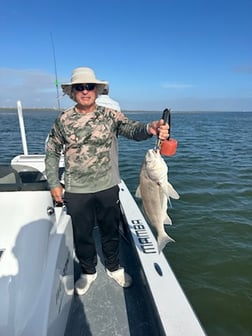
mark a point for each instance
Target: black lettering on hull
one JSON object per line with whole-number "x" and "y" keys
{"x": 144, "y": 239}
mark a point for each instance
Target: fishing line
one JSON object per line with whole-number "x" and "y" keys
{"x": 55, "y": 72}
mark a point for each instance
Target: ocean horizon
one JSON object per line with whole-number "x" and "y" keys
{"x": 30, "y": 109}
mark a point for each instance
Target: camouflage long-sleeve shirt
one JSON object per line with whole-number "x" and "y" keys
{"x": 86, "y": 140}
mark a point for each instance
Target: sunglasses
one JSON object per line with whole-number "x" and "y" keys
{"x": 82, "y": 87}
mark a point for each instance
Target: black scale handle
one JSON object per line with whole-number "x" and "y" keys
{"x": 167, "y": 118}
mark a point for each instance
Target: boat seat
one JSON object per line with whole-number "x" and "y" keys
{"x": 9, "y": 179}
{"x": 33, "y": 180}
{"x": 21, "y": 178}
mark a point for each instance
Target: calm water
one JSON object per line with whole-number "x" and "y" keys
{"x": 212, "y": 221}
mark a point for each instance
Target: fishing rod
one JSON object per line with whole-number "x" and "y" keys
{"x": 55, "y": 72}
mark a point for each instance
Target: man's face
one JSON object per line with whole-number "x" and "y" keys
{"x": 85, "y": 94}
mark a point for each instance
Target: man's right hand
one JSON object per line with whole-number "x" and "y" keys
{"x": 57, "y": 193}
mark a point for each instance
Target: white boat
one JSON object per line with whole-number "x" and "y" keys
{"x": 37, "y": 268}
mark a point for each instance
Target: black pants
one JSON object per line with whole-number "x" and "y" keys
{"x": 87, "y": 210}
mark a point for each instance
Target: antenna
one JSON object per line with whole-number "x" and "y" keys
{"x": 55, "y": 71}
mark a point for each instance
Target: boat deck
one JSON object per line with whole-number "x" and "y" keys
{"x": 107, "y": 309}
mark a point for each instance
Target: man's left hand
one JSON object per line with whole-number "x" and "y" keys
{"x": 159, "y": 128}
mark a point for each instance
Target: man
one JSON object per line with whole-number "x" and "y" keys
{"x": 86, "y": 132}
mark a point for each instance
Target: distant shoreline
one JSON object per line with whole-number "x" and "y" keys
{"x": 46, "y": 109}
{"x": 27, "y": 109}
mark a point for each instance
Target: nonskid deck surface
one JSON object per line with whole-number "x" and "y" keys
{"x": 109, "y": 310}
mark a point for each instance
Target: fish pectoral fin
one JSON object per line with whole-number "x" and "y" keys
{"x": 170, "y": 191}
{"x": 138, "y": 192}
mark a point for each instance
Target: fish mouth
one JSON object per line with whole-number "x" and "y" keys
{"x": 152, "y": 154}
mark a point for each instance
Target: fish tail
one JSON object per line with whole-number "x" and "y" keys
{"x": 162, "y": 240}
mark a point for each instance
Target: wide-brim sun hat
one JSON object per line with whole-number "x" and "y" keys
{"x": 83, "y": 75}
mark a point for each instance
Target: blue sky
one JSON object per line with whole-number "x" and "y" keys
{"x": 181, "y": 54}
